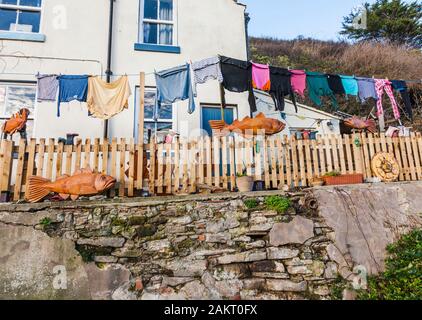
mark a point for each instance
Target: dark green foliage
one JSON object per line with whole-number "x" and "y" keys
{"x": 332, "y": 174}
{"x": 251, "y": 203}
{"x": 402, "y": 279}
{"x": 392, "y": 21}
{"x": 46, "y": 222}
{"x": 278, "y": 203}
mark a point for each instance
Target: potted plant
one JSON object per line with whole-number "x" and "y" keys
{"x": 335, "y": 178}
{"x": 244, "y": 182}
{"x": 317, "y": 181}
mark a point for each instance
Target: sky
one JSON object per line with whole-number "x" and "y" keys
{"x": 287, "y": 19}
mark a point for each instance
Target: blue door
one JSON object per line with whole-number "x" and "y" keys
{"x": 209, "y": 113}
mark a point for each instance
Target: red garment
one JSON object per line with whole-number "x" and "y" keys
{"x": 261, "y": 76}
{"x": 298, "y": 81}
{"x": 380, "y": 86}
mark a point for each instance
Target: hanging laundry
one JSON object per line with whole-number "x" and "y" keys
{"x": 72, "y": 87}
{"x": 366, "y": 89}
{"x": 48, "y": 84}
{"x": 382, "y": 85}
{"x": 401, "y": 86}
{"x": 280, "y": 87}
{"x": 298, "y": 81}
{"x": 261, "y": 76}
{"x": 105, "y": 100}
{"x": 174, "y": 85}
{"x": 237, "y": 75}
{"x": 350, "y": 85}
{"x": 207, "y": 69}
{"x": 318, "y": 87}
{"x": 335, "y": 84}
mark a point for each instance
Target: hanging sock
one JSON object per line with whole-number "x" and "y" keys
{"x": 105, "y": 100}
{"x": 401, "y": 86}
{"x": 72, "y": 87}
{"x": 174, "y": 85}
{"x": 382, "y": 85}
{"x": 261, "y": 77}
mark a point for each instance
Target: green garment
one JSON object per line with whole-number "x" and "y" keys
{"x": 318, "y": 87}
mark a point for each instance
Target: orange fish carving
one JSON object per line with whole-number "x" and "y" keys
{"x": 361, "y": 124}
{"x": 16, "y": 123}
{"x": 84, "y": 182}
{"x": 250, "y": 126}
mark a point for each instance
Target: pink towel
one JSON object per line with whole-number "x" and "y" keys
{"x": 298, "y": 81}
{"x": 261, "y": 77}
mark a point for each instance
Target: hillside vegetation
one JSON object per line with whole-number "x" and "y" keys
{"x": 362, "y": 59}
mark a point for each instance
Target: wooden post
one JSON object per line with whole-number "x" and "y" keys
{"x": 223, "y": 100}
{"x": 141, "y": 118}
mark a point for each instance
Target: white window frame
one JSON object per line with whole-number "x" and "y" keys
{"x": 3, "y": 115}
{"x": 158, "y": 21}
{"x": 19, "y": 8}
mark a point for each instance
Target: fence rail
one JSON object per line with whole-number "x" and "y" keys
{"x": 182, "y": 166}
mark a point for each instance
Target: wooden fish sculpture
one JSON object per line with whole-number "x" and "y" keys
{"x": 249, "y": 126}
{"x": 84, "y": 182}
{"x": 361, "y": 124}
{"x": 17, "y": 123}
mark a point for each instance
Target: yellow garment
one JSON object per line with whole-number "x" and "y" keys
{"x": 105, "y": 100}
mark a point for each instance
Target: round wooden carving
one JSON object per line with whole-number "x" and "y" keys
{"x": 385, "y": 167}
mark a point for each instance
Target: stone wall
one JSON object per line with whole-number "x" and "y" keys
{"x": 209, "y": 247}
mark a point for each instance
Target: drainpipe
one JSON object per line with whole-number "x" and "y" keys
{"x": 108, "y": 72}
{"x": 247, "y": 19}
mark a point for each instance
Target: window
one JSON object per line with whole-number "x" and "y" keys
{"x": 157, "y": 22}
{"x": 165, "y": 119}
{"x": 20, "y": 15}
{"x": 14, "y": 97}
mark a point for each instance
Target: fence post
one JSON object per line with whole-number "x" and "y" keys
{"x": 6, "y": 155}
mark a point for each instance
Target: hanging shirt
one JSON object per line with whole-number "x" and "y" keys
{"x": 47, "y": 87}
{"x": 318, "y": 87}
{"x": 350, "y": 85}
{"x": 72, "y": 87}
{"x": 261, "y": 77}
{"x": 366, "y": 89}
{"x": 105, "y": 100}
{"x": 280, "y": 87}
{"x": 298, "y": 81}
{"x": 237, "y": 77}
{"x": 207, "y": 69}
{"x": 401, "y": 86}
{"x": 174, "y": 85}
{"x": 335, "y": 84}
{"x": 382, "y": 85}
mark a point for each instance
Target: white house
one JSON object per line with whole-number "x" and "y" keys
{"x": 72, "y": 37}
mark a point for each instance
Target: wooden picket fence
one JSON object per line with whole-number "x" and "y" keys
{"x": 184, "y": 166}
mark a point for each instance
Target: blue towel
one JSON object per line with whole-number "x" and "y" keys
{"x": 174, "y": 85}
{"x": 72, "y": 87}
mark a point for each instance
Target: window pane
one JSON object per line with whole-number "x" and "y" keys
{"x": 150, "y": 32}
{"x": 8, "y": 1}
{"x": 166, "y": 34}
{"x": 149, "y": 129}
{"x": 151, "y": 9}
{"x": 29, "y": 21}
{"x": 7, "y": 19}
{"x": 165, "y": 112}
{"x": 18, "y": 98}
{"x": 2, "y": 98}
{"x": 166, "y": 10}
{"x": 30, "y": 3}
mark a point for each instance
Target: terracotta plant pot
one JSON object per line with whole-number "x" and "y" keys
{"x": 344, "y": 179}
{"x": 245, "y": 184}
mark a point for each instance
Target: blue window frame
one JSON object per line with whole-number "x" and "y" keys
{"x": 20, "y": 16}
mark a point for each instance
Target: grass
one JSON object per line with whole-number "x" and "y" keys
{"x": 278, "y": 203}
{"x": 251, "y": 203}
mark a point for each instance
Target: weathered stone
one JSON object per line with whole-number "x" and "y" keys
{"x": 217, "y": 237}
{"x": 127, "y": 253}
{"x": 103, "y": 242}
{"x": 249, "y": 256}
{"x": 255, "y": 245}
{"x": 286, "y": 285}
{"x": 281, "y": 253}
{"x": 263, "y": 266}
{"x": 158, "y": 245}
{"x": 216, "y": 226}
{"x": 253, "y": 284}
{"x": 298, "y": 231}
{"x": 187, "y": 268}
{"x": 231, "y": 272}
{"x": 175, "y": 281}
{"x": 195, "y": 290}
{"x": 331, "y": 271}
{"x": 181, "y": 220}
{"x": 123, "y": 293}
{"x": 105, "y": 259}
{"x": 295, "y": 270}
{"x": 271, "y": 275}
{"x": 208, "y": 253}
{"x": 322, "y": 291}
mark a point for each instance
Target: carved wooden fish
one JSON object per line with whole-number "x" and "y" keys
{"x": 250, "y": 126}
{"x": 361, "y": 124}
{"x": 84, "y": 182}
{"x": 16, "y": 122}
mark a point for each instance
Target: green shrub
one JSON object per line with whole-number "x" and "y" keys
{"x": 402, "y": 279}
{"x": 278, "y": 203}
{"x": 251, "y": 203}
{"x": 332, "y": 174}
{"x": 45, "y": 222}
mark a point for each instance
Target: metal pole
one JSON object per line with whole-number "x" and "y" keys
{"x": 109, "y": 56}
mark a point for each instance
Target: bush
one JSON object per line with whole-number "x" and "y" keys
{"x": 402, "y": 279}
{"x": 251, "y": 203}
{"x": 278, "y": 203}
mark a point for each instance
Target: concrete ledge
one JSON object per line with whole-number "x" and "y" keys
{"x": 22, "y": 36}
{"x": 157, "y": 48}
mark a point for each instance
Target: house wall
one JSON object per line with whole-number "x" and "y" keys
{"x": 77, "y": 29}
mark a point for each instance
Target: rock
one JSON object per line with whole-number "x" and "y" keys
{"x": 216, "y": 226}
{"x": 127, "y": 253}
{"x": 105, "y": 259}
{"x": 185, "y": 220}
{"x": 195, "y": 290}
{"x": 331, "y": 271}
{"x": 298, "y": 231}
{"x": 281, "y": 253}
{"x": 124, "y": 294}
{"x": 298, "y": 270}
{"x": 322, "y": 291}
{"x": 255, "y": 245}
{"x": 267, "y": 266}
{"x": 157, "y": 245}
{"x": 286, "y": 285}
{"x": 317, "y": 268}
{"x": 253, "y": 284}
{"x": 231, "y": 272}
{"x": 175, "y": 281}
{"x": 208, "y": 253}
{"x": 187, "y": 268}
{"x": 103, "y": 242}
{"x": 271, "y": 275}
{"x": 217, "y": 237}
{"x": 249, "y": 256}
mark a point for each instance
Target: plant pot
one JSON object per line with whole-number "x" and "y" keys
{"x": 317, "y": 182}
{"x": 245, "y": 184}
{"x": 344, "y": 179}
